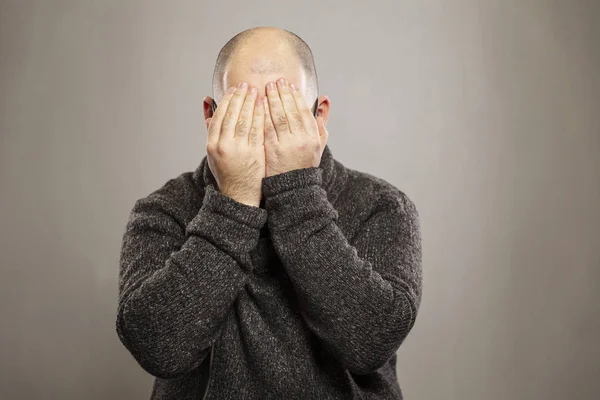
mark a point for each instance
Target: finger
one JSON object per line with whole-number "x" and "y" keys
{"x": 323, "y": 132}
{"x": 233, "y": 111}
{"x": 294, "y": 118}
{"x": 270, "y": 132}
{"x": 277, "y": 112}
{"x": 207, "y": 121}
{"x": 244, "y": 122}
{"x": 214, "y": 129}
{"x": 305, "y": 112}
{"x": 257, "y": 136}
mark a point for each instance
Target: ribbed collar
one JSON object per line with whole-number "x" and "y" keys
{"x": 333, "y": 176}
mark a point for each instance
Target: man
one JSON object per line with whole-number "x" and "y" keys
{"x": 272, "y": 271}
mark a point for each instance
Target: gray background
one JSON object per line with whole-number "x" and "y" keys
{"x": 486, "y": 113}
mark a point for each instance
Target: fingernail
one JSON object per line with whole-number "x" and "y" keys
{"x": 252, "y": 90}
{"x": 281, "y": 82}
{"x": 242, "y": 85}
{"x": 231, "y": 90}
{"x": 271, "y": 86}
{"x": 293, "y": 87}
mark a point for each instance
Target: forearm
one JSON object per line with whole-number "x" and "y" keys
{"x": 169, "y": 319}
{"x": 173, "y": 296}
{"x": 362, "y": 315}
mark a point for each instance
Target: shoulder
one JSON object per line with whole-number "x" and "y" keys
{"x": 377, "y": 194}
{"x": 179, "y": 197}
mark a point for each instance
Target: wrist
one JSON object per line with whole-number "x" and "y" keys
{"x": 251, "y": 203}
{"x": 243, "y": 198}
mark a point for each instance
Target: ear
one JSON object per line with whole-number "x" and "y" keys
{"x": 208, "y": 112}
{"x": 323, "y": 108}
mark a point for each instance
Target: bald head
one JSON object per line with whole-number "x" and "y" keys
{"x": 260, "y": 55}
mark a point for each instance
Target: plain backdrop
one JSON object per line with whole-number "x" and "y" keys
{"x": 486, "y": 113}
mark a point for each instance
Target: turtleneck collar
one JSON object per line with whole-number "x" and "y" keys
{"x": 333, "y": 175}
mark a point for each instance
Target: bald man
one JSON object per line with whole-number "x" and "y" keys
{"x": 272, "y": 271}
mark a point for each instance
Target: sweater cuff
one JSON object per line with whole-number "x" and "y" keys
{"x": 229, "y": 224}
{"x": 294, "y": 179}
{"x": 297, "y": 203}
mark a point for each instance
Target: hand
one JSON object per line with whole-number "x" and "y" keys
{"x": 235, "y": 145}
{"x": 294, "y": 139}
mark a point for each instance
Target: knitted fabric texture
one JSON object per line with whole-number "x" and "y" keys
{"x": 315, "y": 307}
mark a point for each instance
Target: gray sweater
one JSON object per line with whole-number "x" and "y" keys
{"x": 306, "y": 297}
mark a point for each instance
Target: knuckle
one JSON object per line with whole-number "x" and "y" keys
{"x": 281, "y": 121}
{"x": 228, "y": 116}
{"x": 297, "y": 117}
{"x": 253, "y": 140}
{"x": 242, "y": 124}
{"x": 270, "y": 130}
{"x": 211, "y": 148}
{"x": 221, "y": 149}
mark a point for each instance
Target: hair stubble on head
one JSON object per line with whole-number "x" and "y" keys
{"x": 274, "y": 37}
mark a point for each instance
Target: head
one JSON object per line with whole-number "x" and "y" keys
{"x": 261, "y": 55}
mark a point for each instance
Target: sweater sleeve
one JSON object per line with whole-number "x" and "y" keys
{"x": 360, "y": 298}
{"x": 177, "y": 282}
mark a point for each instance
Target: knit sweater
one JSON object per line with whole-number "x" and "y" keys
{"x": 307, "y": 296}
